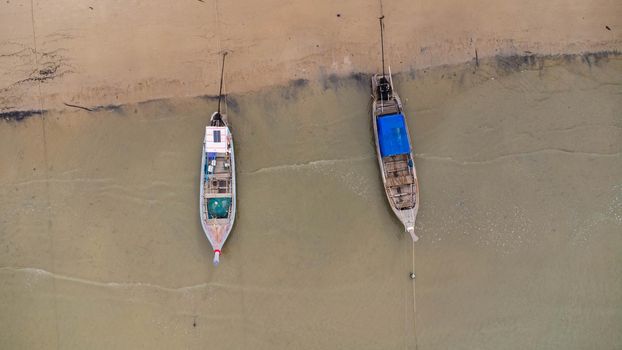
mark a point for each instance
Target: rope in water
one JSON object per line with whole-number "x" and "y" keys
{"x": 414, "y": 296}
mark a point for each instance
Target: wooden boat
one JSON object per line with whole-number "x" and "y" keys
{"x": 217, "y": 201}
{"x": 394, "y": 150}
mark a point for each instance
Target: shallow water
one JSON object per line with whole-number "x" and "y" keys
{"x": 520, "y": 171}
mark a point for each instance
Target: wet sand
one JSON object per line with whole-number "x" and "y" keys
{"x": 117, "y": 52}
{"x": 519, "y": 164}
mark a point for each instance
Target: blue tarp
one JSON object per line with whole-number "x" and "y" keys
{"x": 392, "y": 135}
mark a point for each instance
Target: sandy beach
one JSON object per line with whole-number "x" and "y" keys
{"x": 117, "y": 52}
{"x": 518, "y": 152}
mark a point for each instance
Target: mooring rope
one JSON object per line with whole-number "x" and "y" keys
{"x": 220, "y": 51}
{"x": 217, "y": 25}
{"x": 224, "y": 89}
{"x": 413, "y": 277}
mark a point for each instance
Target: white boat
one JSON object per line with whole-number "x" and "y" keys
{"x": 393, "y": 147}
{"x": 217, "y": 201}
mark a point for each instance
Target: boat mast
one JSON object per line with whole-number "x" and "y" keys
{"x": 382, "y": 41}
{"x": 222, "y": 74}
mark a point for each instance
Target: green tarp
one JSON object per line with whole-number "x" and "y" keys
{"x": 218, "y": 208}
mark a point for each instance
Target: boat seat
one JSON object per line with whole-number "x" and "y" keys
{"x": 387, "y": 107}
{"x": 401, "y": 194}
{"x": 398, "y": 173}
{"x": 396, "y": 158}
{"x": 400, "y": 180}
{"x": 399, "y": 191}
{"x": 395, "y": 166}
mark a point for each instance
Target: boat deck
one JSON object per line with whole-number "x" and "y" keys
{"x": 218, "y": 182}
{"x": 400, "y": 181}
{"x": 387, "y": 107}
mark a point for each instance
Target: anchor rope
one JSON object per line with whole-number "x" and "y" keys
{"x": 414, "y": 296}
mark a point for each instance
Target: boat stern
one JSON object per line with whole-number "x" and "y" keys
{"x": 216, "y": 260}
{"x": 411, "y": 230}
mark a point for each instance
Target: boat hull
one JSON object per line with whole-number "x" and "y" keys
{"x": 407, "y": 214}
{"x": 217, "y": 229}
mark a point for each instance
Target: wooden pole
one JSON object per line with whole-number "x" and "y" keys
{"x": 222, "y": 74}
{"x": 382, "y": 42}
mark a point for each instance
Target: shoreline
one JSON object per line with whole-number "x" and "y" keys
{"x": 500, "y": 64}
